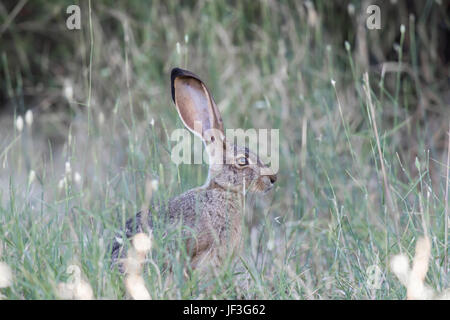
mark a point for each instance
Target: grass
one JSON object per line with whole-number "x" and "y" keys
{"x": 363, "y": 164}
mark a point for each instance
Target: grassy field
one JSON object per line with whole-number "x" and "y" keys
{"x": 363, "y": 161}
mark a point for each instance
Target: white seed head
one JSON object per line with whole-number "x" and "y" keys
{"x": 347, "y": 45}
{"x": 421, "y": 258}
{"x": 415, "y": 289}
{"x": 136, "y": 287}
{"x": 154, "y": 184}
{"x": 29, "y": 118}
{"x": 19, "y": 123}
{"x": 351, "y": 9}
{"x": 333, "y": 82}
{"x": 152, "y": 122}
{"x": 68, "y": 168}
{"x": 101, "y": 118}
{"x": 402, "y": 28}
{"x": 383, "y": 71}
{"x": 6, "y": 276}
{"x": 445, "y": 295}
{"x": 400, "y": 266}
{"x": 186, "y": 38}
{"x": 133, "y": 262}
{"x": 31, "y": 176}
{"x": 68, "y": 90}
{"x": 270, "y": 245}
{"x": 418, "y": 290}
{"x": 178, "y": 48}
{"x": 69, "y": 291}
{"x": 62, "y": 183}
{"x": 83, "y": 291}
{"x": 142, "y": 243}
{"x": 77, "y": 177}
{"x": 69, "y": 138}
{"x": 65, "y": 291}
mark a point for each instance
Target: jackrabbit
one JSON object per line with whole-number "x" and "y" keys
{"x": 213, "y": 212}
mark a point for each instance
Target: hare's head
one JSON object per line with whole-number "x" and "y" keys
{"x": 234, "y": 168}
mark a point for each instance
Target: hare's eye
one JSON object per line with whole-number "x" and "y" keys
{"x": 242, "y": 161}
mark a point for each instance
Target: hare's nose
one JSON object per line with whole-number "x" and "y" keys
{"x": 273, "y": 178}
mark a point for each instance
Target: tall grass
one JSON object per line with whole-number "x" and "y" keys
{"x": 363, "y": 171}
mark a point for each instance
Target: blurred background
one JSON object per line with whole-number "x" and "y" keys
{"x": 100, "y": 103}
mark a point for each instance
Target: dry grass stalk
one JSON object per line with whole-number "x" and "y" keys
{"x": 446, "y": 216}
{"x": 416, "y": 288}
{"x": 414, "y": 278}
{"x": 387, "y": 186}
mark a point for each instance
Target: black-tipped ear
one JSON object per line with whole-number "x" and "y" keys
{"x": 178, "y": 72}
{"x": 194, "y": 102}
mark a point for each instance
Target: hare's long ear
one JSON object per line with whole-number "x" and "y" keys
{"x": 195, "y": 105}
